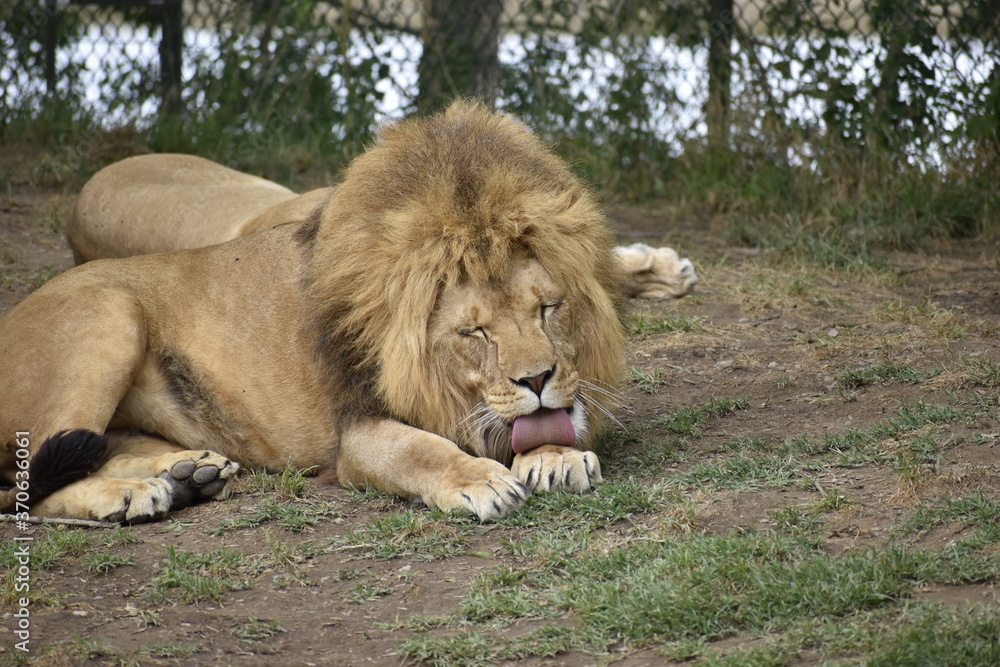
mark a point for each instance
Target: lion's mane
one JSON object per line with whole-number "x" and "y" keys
{"x": 453, "y": 197}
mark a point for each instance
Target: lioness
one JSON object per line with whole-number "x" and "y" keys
{"x": 176, "y": 202}
{"x": 452, "y": 308}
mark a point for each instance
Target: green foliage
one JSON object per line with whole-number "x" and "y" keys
{"x": 977, "y": 511}
{"x": 649, "y": 383}
{"x": 845, "y": 137}
{"x": 257, "y": 629}
{"x": 429, "y": 536}
{"x": 881, "y": 373}
{"x": 688, "y": 421}
{"x": 646, "y": 323}
{"x": 944, "y": 636}
{"x": 172, "y": 650}
{"x": 193, "y": 577}
{"x": 697, "y": 588}
{"x": 102, "y": 563}
{"x": 742, "y": 472}
{"x": 281, "y": 79}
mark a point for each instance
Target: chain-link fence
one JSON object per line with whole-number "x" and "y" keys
{"x": 634, "y": 80}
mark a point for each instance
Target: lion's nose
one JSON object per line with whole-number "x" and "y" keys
{"x": 535, "y": 382}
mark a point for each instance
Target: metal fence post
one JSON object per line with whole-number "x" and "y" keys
{"x": 171, "y": 44}
{"x": 720, "y": 21}
{"x": 51, "y": 33}
{"x": 461, "y": 43}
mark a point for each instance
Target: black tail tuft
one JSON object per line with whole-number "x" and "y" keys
{"x": 63, "y": 459}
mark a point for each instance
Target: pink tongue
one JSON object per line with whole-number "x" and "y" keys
{"x": 542, "y": 427}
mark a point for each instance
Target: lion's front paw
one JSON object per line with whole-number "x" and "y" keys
{"x": 487, "y": 489}
{"x": 199, "y": 474}
{"x": 556, "y": 468}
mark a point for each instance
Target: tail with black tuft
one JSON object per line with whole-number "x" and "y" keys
{"x": 62, "y": 459}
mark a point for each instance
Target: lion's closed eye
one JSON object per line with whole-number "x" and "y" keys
{"x": 547, "y": 310}
{"x": 474, "y": 332}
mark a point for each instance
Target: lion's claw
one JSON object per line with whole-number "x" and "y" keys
{"x": 139, "y": 501}
{"x": 555, "y": 468}
{"x": 490, "y": 491}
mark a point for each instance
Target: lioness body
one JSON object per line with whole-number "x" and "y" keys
{"x": 171, "y": 202}
{"x": 145, "y": 204}
{"x": 441, "y": 315}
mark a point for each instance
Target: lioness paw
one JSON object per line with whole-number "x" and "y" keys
{"x": 656, "y": 273}
{"x": 197, "y": 475}
{"x": 489, "y": 490}
{"x": 556, "y": 468}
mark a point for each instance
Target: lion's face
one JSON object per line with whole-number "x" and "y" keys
{"x": 510, "y": 350}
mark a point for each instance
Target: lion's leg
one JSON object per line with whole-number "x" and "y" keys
{"x": 105, "y": 499}
{"x": 141, "y": 478}
{"x": 194, "y": 474}
{"x": 94, "y": 338}
{"x": 400, "y": 459}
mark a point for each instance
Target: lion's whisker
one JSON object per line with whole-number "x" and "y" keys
{"x": 615, "y": 398}
{"x": 597, "y": 406}
{"x": 475, "y": 412}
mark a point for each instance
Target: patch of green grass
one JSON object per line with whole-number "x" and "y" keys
{"x": 101, "y": 562}
{"x": 742, "y": 472}
{"x": 295, "y": 517}
{"x": 748, "y": 444}
{"x": 881, "y": 373}
{"x": 981, "y": 371}
{"x": 428, "y": 535}
{"x": 650, "y": 445}
{"x": 975, "y": 511}
{"x": 172, "y": 650}
{"x": 466, "y": 648}
{"x": 546, "y": 641}
{"x": 53, "y": 222}
{"x": 51, "y": 550}
{"x": 119, "y": 536}
{"x": 942, "y": 635}
{"x": 286, "y": 555}
{"x": 860, "y": 446}
{"x": 289, "y": 484}
{"x": 642, "y": 324}
{"x": 832, "y": 501}
{"x": 649, "y": 383}
{"x": 793, "y": 520}
{"x": 367, "y": 589}
{"x": 193, "y": 577}
{"x": 256, "y": 629}
{"x": 96, "y": 649}
{"x": 635, "y": 451}
{"x": 691, "y": 589}
{"x": 689, "y": 421}
{"x": 30, "y": 279}
{"x": 618, "y": 499}
{"x": 149, "y": 619}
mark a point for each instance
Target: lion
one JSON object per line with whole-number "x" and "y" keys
{"x": 446, "y": 326}
{"x": 155, "y": 212}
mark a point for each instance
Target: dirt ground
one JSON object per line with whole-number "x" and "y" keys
{"x": 775, "y": 335}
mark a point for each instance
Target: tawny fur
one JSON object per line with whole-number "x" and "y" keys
{"x": 340, "y": 343}
{"x": 145, "y": 190}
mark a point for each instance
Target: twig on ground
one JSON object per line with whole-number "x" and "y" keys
{"x": 10, "y": 518}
